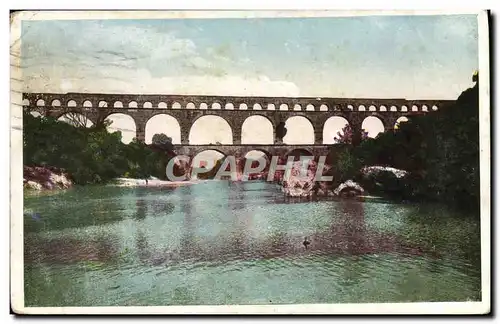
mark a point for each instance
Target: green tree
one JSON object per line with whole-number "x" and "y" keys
{"x": 440, "y": 150}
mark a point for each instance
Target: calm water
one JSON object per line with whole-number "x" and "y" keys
{"x": 241, "y": 243}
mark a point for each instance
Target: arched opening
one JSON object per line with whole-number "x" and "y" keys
{"x": 181, "y": 167}
{"x": 147, "y": 104}
{"x": 333, "y": 126}
{"x": 102, "y": 104}
{"x": 299, "y": 131}
{"x": 40, "y": 102}
{"x": 402, "y": 119}
{"x": 203, "y": 106}
{"x": 323, "y": 108}
{"x": 372, "y": 108}
{"x": 257, "y": 154}
{"x": 176, "y": 105}
{"x": 216, "y": 105}
{"x": 124, "y": 124}
{"x": 243, "y": 106}
{"x": 257, "y": 107}
{"x": 394, "y": 108}
{"x": 383, "y": 108}
{"x": 361, "y": 108}
{"x": 404, "y": 108}
{"x": 425, "y": 108}
{"x": 283, "y": 107}
{"x": 257, "y": 130}
{"x": 229, "y": 106}
{"x": 26, "y": 102}
{"x": 76, "y": 119}
{"x": 118, "y": 104}
{"x": 350, "y": 107}
{"x": 298, "y": 153}
{"x": 271, "y": 107}
{"x": 163, "y": 124}
{"x": 190, "y": 105}
{"x": 132, "y": 104}
{"x": 254, "y": 159}
{"x": 210, "y": 130}
{"x": 373, "y": 126}
{"x": 297, "y": 107}
{"x": 414, "y": 108}
{"x": 71, "y": 103}
{"x": 310, "y": 107}
{"x": 434, "y": 108}
{"x": 162, "y": 105}
{"x": 56, "y": 103}
{"x": 207, "y": 161}
{"x": 87, "y": 104}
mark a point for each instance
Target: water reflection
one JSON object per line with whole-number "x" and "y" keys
{"x": 239, "y": 243}
{"x": 347, "y": 234}
{"x": 148, "y": 205}
{"x": 68, "y": 210}
{"x": 142, "y": 246}
{"x": 141, "y": 206}
{"x": 101, "y": 248}
{"x": 188, "y": 235}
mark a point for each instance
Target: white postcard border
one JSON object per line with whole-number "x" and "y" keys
{"x": 16, "y": 174}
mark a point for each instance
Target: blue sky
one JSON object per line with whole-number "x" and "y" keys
{"x": 377, "y": 56}
{"x": 413, "y": 57}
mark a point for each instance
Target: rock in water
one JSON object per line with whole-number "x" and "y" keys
{"x": 349, "y": 188}
{"x": 29, "y": 184}
{"x": 39, "y": 178}
{"x": 375, "y": 170}
{"x": 382, "y": 180}
{"x": 300, "y": 185}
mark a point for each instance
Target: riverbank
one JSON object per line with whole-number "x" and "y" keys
{"x": 45, "y": 178}
{"x": 131, "y": 182}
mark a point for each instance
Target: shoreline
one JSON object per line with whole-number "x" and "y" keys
{"x": 155, "y": 183}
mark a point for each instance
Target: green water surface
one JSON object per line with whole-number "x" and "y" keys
{"x": 241, "y": 243}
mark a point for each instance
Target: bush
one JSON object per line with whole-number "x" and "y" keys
{"x": 440, "y": 150}
{"x": 89, "y": 155}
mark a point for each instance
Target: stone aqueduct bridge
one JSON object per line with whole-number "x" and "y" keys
{"x": 186, "y": 109}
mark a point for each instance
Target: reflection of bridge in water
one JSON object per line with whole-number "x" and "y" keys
{"x": 187, "y": 109}
{"x": 346, "y": 234}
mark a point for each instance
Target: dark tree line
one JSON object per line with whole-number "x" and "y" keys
{"x": 92, "y": 155}
{"x": 440, "y": 151}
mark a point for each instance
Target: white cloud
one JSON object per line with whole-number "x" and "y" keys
{"x": 122, "y": 59}
{"x": 118, "y": 80}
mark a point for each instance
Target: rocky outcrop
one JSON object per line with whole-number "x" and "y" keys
{"x": 376, "y": 170}
{"x": 324, "y": 189}
{"x": 45, "y": 178}
{"x": 349, "y": 189}
{"x": 300, "y": 185}
{"x": 304, "y": 185}
{"x": 385, "y": 181}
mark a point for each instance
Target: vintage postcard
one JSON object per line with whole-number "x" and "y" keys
{"x": 250, "y": 162}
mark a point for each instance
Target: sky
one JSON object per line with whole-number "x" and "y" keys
{"x": 412, "y": 57}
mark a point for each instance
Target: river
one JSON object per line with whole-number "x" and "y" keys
{"x": 241, "y": 243}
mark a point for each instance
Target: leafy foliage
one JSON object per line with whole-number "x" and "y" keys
{"x": 345, "y": 136}
{"x": 440, "y": 150}
{"x": 89, "y": 155}
{"x": 162, "y": 141}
